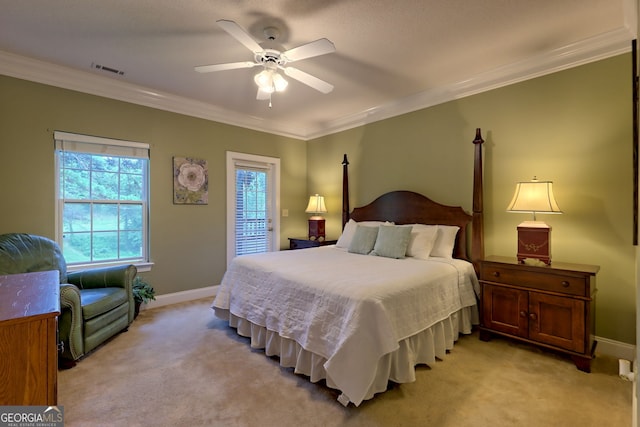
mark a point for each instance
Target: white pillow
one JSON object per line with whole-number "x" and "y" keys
{"x": 423, "y": 238}
{"x": 445, "y": 241}
{"x": 350, "y": 229}
{"x": 347, "y": 234}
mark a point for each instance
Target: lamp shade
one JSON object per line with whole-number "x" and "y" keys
{"x": 279, "y": 83}
{"x": 316, "y": 205}
{"x": 534, "y": 197}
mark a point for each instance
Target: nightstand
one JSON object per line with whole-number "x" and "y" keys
{"x": 551, "y": 306}
{"x": 303, "y": 243}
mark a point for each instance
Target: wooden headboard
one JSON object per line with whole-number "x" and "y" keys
{"x": 408, "y": 207}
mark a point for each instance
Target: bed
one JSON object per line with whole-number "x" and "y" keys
{"x": 340, "y": 313}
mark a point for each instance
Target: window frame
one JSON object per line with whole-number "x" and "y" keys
{"x": 65, "y": 141}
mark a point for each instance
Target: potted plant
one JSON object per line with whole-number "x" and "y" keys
{"x": 142, "y": 293}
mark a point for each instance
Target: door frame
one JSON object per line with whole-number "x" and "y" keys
{"x": 274, "y": 162}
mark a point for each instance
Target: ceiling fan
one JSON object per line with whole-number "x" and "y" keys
{"x": 272, "y": 57}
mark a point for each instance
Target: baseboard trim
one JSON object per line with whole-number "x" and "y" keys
{"x": 182, "y": 296}
{"x": 617, "y": 349}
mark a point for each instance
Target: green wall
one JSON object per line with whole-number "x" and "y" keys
{"x": 572, "y": 127}
{"x": 188, "y": 242}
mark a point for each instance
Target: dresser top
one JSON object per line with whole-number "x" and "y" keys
{"x": 29, "y": 295}
{"x": 555, "y": 265}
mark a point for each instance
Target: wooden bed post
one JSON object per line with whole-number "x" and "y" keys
{"x": 345, "y": 191}
{"x": 477, "y": 224}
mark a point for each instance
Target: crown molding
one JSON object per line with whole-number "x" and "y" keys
{"x": 35, "y": 70}
{"x": 595, "y": 48}
{"x": 583, "y": 52}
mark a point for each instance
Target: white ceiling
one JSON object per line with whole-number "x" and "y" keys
{"x": 392, "y": 56}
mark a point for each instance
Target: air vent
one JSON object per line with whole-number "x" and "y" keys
{"x": 107, "y": 69}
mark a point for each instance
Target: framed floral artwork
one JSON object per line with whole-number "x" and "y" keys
{"x": 190, "y": 181}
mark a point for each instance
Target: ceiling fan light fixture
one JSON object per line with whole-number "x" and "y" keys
{"x": 270, "y": 81}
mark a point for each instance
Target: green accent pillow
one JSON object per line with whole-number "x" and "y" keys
{"x": 363, "y": 240}
{"x": 392, "y": 241}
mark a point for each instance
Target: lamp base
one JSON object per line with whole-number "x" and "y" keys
{"x": 534, "y": 241}
{"x": 316, "y": 228}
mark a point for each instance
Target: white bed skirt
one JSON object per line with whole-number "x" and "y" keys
{"x": 398, "y": 366}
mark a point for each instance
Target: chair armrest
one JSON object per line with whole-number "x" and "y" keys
{"x": 70, "y": 321}
{"x": 120, "y": 276}
{"x": 69, "y": 296}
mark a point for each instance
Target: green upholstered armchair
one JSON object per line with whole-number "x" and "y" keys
{"x": 95, "y": 304}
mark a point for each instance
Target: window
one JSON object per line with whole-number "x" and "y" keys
{"x": 102, "y": 199}
{"x": 253, "y": 216}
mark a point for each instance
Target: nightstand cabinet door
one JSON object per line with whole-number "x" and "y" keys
{"x": 557, "y": 321}
{"x": 505, "y": 310}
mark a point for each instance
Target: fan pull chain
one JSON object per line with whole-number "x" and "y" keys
{"x": 269, "y": 100}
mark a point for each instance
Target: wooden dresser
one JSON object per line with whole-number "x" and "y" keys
{"x": 551, "y": 306}
{"x": 29, "y": 306}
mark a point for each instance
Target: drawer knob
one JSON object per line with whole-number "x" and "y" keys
{"x": 496, "y": 274}
{"x": 565, "y": 284}
{"x": 523, "y": 314}
{"x": 533, "y": 316}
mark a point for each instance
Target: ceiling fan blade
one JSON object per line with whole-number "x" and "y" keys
{"x": 262, "y": 95}
{"x": 237, "y": 32}
{"x": 309, "y": 50}
{"x": 223, "y": 67}
{"x": 308, "y": 79}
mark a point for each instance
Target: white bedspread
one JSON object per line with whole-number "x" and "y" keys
{"x": 350, "y": 309}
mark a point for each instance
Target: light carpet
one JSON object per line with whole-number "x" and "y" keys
{"x": 181, "y": 366}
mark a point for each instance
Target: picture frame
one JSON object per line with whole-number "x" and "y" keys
{"x": 190, "y": 181}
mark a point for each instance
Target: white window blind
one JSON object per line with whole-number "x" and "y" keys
{"x": 96, "y": 145}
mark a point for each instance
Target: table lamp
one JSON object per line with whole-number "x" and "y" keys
{"x": 316, "y": 222}
{"x": 534, "y": 237}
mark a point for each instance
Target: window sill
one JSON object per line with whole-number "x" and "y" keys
{"x": 142, "y": 266}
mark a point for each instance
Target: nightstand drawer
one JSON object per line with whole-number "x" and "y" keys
{"x": 536, "y": 278}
